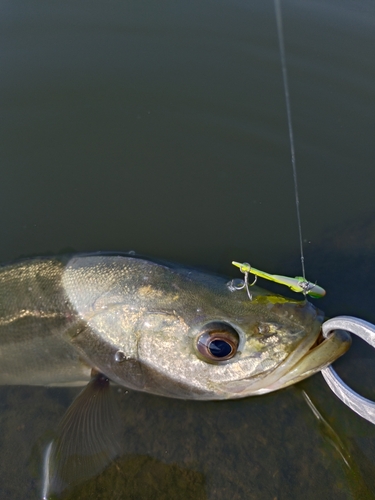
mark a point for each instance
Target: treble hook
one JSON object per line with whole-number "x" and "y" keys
{"x": 241, "y": 284}
{"x": 247, "y": 284}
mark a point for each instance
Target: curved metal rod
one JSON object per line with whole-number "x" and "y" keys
{"x": 366, "y": 331}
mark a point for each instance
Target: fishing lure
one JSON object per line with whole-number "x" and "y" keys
{"x": 297, "y": 284}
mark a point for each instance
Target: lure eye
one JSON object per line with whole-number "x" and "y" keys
{"x": 217, "y": 342}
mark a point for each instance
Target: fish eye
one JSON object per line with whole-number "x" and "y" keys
{"x": 217, "y": 342}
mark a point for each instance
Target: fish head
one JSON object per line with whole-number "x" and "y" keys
{"x": 240, "y": 349}
{"x": 187, "y": 334}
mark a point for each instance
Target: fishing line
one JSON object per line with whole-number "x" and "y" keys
{"x": 290, "y": 128}
{"x": 299, "y": 283}
{"x": 364, "y": 407}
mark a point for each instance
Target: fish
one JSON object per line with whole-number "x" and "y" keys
{"x": 153, "y": 326}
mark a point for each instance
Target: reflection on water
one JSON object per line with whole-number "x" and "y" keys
{"x": 357, "y": 482}
{"x": 261, "y": 447}
{"x": 162, "y": 128}
{"x": 141, "y": 476}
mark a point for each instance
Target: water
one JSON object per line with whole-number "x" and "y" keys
{"x": 162, "y": 128}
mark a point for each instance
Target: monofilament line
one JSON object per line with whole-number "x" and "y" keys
{"x": 289, "y": 114}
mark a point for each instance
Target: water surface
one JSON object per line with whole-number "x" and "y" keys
{"x": 161, "y": 128}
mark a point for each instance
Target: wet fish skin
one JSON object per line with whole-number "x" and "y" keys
{"x": 137, "y": 321}
{"x": 34, "y": 313}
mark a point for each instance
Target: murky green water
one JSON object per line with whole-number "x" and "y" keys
{"x": 161, "y": 127}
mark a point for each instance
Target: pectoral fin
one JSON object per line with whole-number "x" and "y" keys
{"x": 87, "y": 439}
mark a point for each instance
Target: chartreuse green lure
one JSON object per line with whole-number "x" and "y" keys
{"x": 297, "y": 284}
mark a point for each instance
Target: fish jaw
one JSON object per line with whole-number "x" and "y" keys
{"x": 290, "y": 371}
{"x": 316, "y": 359}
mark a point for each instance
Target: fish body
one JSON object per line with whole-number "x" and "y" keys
{"x": 154, "y": 327}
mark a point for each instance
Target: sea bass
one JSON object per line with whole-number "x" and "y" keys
{"x": 149, "y": 326}
{"x": 153, "y": 327}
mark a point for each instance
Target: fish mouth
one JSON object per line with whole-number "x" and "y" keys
{"x": 311, "y": 356}
{"x": 323, "y": 352}
{"x": 319, "y": 340}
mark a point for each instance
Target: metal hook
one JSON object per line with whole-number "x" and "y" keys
{"x": 245, "y": 269}
{"x": 366, "y": 331}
